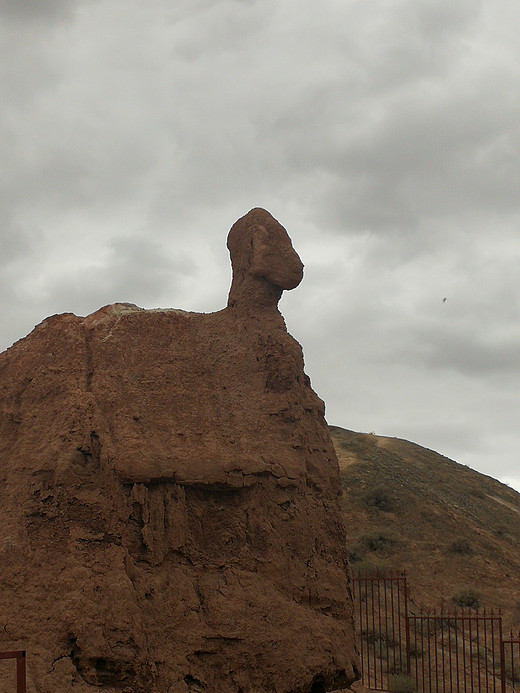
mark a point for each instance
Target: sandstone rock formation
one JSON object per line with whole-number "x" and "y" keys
{"x": 169, "y": 497}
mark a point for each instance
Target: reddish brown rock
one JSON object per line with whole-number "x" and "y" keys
{"x": 169, "y": 497}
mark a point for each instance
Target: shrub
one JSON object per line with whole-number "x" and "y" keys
{"x": 368, "y": 567}
{"x": 376, "y": 541}
{"x": 380, "y": 498}
{"x": 460, "y": 546}
{"x": 354, "y": 556}
{"x": 467, "y": 597}
{"x": 415, "y": 651}
{"x": 374, "y": 636}
{"x": 512, "y": 673}
{"x": 401, "y": 684}
{"x": 477, "y": 493}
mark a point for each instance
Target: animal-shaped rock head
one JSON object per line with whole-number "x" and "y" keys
{"x": 263, "y": 259}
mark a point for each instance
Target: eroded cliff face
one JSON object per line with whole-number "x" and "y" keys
{"x": 169, "y": 504}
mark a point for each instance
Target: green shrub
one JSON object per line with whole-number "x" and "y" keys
{"x": 477, "y": 493}
{"x": 467, "y": 597}
{"x": 370, "y": 568}
{"x": 446, "y": 624}
{"x": 512, "y": 673}
{"x": 460, "y": 546}
{"x": 376, "y": 541}
{"x": 415, "y": 651}
{"x": 354, "y": 556}
{"x": 380, "y": 498}
{"x": 401, "y": 684}
{"x": 374, "y": 636}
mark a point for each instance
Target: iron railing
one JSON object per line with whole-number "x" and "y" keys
{"x": 510, "y": 659}
{"x": 21, "y": 675}
{"x": 381, "y": 605}
{"x": 456, "y": 651}
{"x": 445, "y": 651}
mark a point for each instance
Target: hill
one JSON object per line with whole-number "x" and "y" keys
{"x": 455, "y": 531}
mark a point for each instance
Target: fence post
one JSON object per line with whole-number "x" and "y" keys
{"x": 407, "y": 627}
{"x": 502, "y": 656}
{"x": 21, "y": 678}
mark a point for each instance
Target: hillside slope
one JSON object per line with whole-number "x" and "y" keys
{"x": 453, "y": 530}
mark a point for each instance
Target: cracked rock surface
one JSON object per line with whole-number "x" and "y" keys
{"x": 169, "y": 500}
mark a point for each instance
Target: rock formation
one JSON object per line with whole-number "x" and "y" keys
{"x": 169, "y": 497}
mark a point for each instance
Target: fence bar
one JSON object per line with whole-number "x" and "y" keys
{"x": 450, "y": 654}
{"x": 393, "y": 620}
{"x": 494, "y": 664}
{"x": 443, "y": 668}
{"x": 416, "y": 652}
{"x": 470, "y": 653}
{"x": 386, "y": 627}
{"x": 486, "y": 651}
{"x": 436, "y": 650}
{"x": 407, "y": 629}
{"x": 21, "y": 676}
{"x": 379, "y": 626}
{"x": 423, "y": 666}
{"x": 373, "y": 632}
{"x": 19, "y": 655}
{"x": 502, "y": 659}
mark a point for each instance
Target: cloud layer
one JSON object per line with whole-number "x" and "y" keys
{"x": 383, "y": 135}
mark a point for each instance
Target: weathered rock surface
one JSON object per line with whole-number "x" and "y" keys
{"x": 169, "y": 497}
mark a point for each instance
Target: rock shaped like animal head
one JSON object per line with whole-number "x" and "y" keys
{"x": 263, "y": 259}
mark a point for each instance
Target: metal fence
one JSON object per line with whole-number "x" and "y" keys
{"x": 456, "y": 651}
{"x": 445, "y": 651}
{"x": 19, "y": 656}
{"x": 510, "y": 657}
{"x": 381, "y": 605}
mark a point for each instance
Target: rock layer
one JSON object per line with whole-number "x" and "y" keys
{"x": 169, "y": 497}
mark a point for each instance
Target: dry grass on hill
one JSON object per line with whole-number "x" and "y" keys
{"x": 455, "y": 531}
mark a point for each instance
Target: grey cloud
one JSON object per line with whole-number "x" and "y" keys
{"x": 16, "y": 242}
{"x": 384, "y": 136}
{"x": 137, "y": 270}
{"x": 427, "y": 161}
{"x": 468, "y": 353}
{"x": 31, "y": 11}
{"x": 221, "y": 27}
{"x": 394, "y": 155}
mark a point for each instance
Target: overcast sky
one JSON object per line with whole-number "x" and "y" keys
{"x": 383, "y": 134}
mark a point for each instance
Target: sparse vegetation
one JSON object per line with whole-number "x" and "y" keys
{"x": 400, "y": 683}
{"x": 374, "y": 636}
{"x": 370, "y": 566}
{"x": 477, "y": 493}
{"x": 381, "y": 644}
{"x": 380, "y": 498}
{"x": 454, "y": 528}
{"x": 415, "y": 651}
{"x": 512, "y": 673}
{"x": 377, "y": 542}
{"x": 467, "y": 597}
{"x": 461, "y": 547}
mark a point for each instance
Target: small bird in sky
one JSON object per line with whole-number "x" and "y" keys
{"x": 444, "y": 300}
